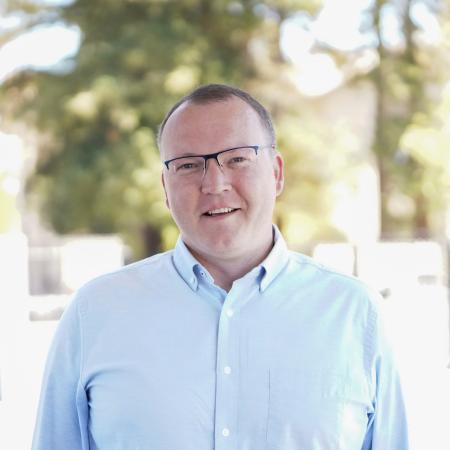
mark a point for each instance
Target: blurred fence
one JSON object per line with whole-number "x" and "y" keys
{"x": 56, "y": 271}
{"x": 389, "y": 265}
{"x": 63, "y": 268}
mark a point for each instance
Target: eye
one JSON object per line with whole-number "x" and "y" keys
{"x": 186, "y": 166}
{"x": 239, "y": 157}
{"x": 189, "y": 165}
{"x": 237, "y": 160}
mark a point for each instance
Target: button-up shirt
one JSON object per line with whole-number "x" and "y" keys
{"x": 155, "y": 356}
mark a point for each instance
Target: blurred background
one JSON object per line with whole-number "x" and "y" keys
{"x": 359, "y": 91}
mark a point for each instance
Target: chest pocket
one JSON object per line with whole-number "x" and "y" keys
{"x": 322, "y": 410}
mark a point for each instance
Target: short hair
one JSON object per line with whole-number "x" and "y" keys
{"x": 210, "y": 93}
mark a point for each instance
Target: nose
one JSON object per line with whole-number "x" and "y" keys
{"x": 215, "y": 179}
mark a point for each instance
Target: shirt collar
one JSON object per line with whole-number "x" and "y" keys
{"x": 186, "y": 265}
{"x": 275, "y": 260}
{"x": 190, "y": 269}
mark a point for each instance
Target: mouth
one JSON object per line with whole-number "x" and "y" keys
{"x": 220, "y": 212}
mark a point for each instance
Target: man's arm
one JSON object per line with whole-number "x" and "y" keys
{"x": 387, "y": 426}
{"x": 63, "y": 411}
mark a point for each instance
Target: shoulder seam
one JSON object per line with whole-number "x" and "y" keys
{"x": 80, "y": 330}
{"x": 124, "y": 269}
{"x": 301, "y": 260}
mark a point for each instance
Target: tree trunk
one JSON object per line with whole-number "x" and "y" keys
{"x": 421, "y": 229}
{"x": 151, "y": 240}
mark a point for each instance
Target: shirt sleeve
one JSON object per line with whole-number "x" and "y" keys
{"x": 62, "y": 415}
{"x": 387, "y": 425}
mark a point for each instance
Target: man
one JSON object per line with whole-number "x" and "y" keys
{"x": 230, "y": 341}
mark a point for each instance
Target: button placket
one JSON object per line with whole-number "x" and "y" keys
{"x": 226, "y": 383}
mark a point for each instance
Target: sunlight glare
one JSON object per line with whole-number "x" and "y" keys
{"x": 40, "y": 48}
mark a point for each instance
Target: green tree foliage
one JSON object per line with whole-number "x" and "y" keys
{"x": 401, "y": 79}
{"x": 410, "y": 40}
{"x": 99, "y": 168}
{"x": 426, "y": 141}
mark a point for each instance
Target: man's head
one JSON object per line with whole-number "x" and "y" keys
{"x": 223, "y": 212}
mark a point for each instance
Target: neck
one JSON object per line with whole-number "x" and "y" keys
{"x": 229, "y": 269}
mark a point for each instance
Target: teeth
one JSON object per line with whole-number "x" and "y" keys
{"x": 219, "y": 211}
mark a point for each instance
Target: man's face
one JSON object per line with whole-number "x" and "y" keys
{"x": 209, "y": 128}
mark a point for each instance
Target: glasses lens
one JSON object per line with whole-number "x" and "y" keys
{"x": 188, "y": 166}
{"x": 239, "y": 158}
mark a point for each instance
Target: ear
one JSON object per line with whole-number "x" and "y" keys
{"x": 278, "y": 171}
{"x": 165, "y": 191}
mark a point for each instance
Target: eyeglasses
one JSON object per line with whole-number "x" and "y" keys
{"x": 236, "y": 159}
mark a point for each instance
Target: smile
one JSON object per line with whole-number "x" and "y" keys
{"x": 215, "y": 212}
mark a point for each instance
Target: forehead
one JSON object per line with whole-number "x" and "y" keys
{"x": 209, "y": 127}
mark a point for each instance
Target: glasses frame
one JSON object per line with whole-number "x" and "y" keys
{"x": 216, "y": 155}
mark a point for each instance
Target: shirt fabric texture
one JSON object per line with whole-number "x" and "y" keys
{"x": 156, "y": 357}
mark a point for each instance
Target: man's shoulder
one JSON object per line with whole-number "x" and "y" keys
{"x": 147, "y": 270}
{"x": 303, "y": 262}
{"x": 316, "y": 274}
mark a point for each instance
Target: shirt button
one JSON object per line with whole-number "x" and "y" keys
{"x": 225, "y": 432}
{"x": 227, "y": 370}
{"x": 192, "y": 280}
{"x": 230, "y": 312}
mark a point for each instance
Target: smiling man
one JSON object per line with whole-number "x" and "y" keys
{"x": 229, "y": 341}
{"x": 223, "y": 204}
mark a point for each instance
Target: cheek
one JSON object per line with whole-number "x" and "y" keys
{"x": 262, "y": 190}
{"x": 181, "y": 202}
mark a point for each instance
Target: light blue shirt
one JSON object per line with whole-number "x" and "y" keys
{"x": 156, "y": 357}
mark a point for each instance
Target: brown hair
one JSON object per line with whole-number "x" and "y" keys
{"x": 210, "y": 93}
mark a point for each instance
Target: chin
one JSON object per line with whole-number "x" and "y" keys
{"x": 224, "y": 247}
